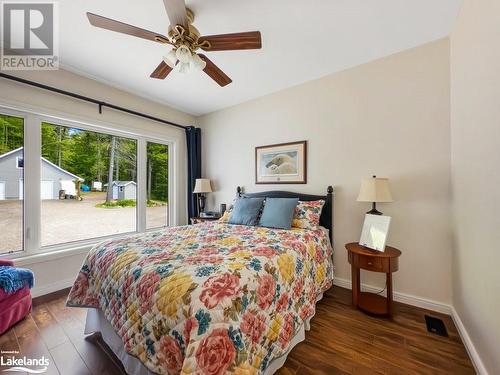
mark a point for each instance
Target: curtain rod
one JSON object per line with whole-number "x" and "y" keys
{"x": 100, "y": 103}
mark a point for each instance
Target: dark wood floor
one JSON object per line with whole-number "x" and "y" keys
{"x": 341, "y": 341}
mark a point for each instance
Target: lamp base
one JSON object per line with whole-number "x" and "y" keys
{"x": 201, "y": 201}
{"x": 374, "y": 210}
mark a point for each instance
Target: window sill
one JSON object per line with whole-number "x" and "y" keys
{"x": 33, "y": 258}
{"x": 63, "y": 251}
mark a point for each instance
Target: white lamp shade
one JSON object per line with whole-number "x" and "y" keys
{"x": 183, "y": 54}
{"x": 197, "y": 62}
{"x": 170, "y": 59}
{"x": 202, "y": 186}
{"x": 375, "y": 189}
{"x": 183, "y": 67}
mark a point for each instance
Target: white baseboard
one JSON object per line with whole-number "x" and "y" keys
{"x": 38, "y": 291}
{"x": 408, "y": 299}
{"x": 469, "y": 345}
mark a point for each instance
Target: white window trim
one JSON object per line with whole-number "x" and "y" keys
{"x": 20, "y": 114}
{"x": 17, "y": 162}
{"x": 170, "y": 204}
{"x": 33, "y": 117}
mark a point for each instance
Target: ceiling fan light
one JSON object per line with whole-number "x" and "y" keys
{"x": 197, "y": 62}
{"x": 170, "y": 59}
{"x": 183, "y": 54}
{"x": 183, "y": 67}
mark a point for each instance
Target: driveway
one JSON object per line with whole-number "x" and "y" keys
{"x": 71, "y": 220}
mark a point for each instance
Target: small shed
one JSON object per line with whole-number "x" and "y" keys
{"x": 124, "y": 190}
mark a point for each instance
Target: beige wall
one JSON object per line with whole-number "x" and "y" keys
{"x": 389, "y": 117}
{"x": 475, "y": 162}
{"x": 57, "y": 273}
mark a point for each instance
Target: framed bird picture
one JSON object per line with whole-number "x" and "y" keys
{"x": 284, "y": 163}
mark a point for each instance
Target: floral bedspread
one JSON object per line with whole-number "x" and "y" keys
{"x": 211, "y": 298}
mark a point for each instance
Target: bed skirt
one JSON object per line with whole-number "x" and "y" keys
{"x": 97, "y": 323}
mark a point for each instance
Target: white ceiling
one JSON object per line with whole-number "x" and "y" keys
{"x": 302, "y": 40}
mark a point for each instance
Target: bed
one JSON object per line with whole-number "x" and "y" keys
{"x": 211, "y": 298}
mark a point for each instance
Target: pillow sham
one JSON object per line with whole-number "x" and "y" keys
{"x": 307, "y": 214}
{"x": 246, "y": 211}
{"x": 278, "y": 213}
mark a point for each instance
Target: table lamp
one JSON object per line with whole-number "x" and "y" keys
{"x": 202, "y": 187}
{"x": 375, "y": 190}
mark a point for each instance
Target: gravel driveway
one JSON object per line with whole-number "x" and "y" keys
{"x": 72, "y": 220}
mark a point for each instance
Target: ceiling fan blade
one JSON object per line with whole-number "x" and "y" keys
{"x": 176, "y": 12}
{"x": 124, "y": 28}
{"x": 161, "y": 71}
{"x": 214, "y": 72}
{"x": 226, "y": 42}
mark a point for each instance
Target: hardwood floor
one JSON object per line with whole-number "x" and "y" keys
{"x": 341, "y": 341}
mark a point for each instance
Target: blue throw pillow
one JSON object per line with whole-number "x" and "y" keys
{"x": 246, "y": 211}
{"x": 278, "y": 213}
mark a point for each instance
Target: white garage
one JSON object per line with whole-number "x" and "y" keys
{"x": 53, "y": 177}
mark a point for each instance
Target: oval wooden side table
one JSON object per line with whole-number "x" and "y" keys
{"x": 361, "y": 257}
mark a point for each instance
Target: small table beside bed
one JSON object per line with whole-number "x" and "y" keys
{"x": 211, "y": 298}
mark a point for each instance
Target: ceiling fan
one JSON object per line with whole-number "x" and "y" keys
{"x": 185, "y": 40}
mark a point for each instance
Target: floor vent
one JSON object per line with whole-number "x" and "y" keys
{"x": 435, "y": 325}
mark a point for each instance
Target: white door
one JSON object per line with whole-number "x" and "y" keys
{"x": 21, "y": 189}
{"x": 2, "y": 190}
{"x": 47, "y": 189}
{"x": 115, "y": 192}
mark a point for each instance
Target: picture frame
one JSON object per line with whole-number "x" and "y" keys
{"x": 282, "y": 163}
{"x": 375, "y": 231}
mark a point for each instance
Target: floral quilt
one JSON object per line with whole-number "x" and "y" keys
{"x": 211, "y": 298}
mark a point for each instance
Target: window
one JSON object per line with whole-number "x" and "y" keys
{"x": 157, "y": 185}
{"x": 11, "y": 187}
{"x": 19, "y": 162}
{"x": 66, "y": 185}
{"x": 89, "y": 184}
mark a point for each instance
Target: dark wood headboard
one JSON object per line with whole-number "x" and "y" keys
{"x": 326, "y": 219}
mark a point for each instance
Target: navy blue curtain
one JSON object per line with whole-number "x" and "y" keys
{"x": 193, "y": 139}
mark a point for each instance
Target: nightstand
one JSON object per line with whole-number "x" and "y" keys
{"x": 199, "y": 219}
{"x": 361, "y": 257}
